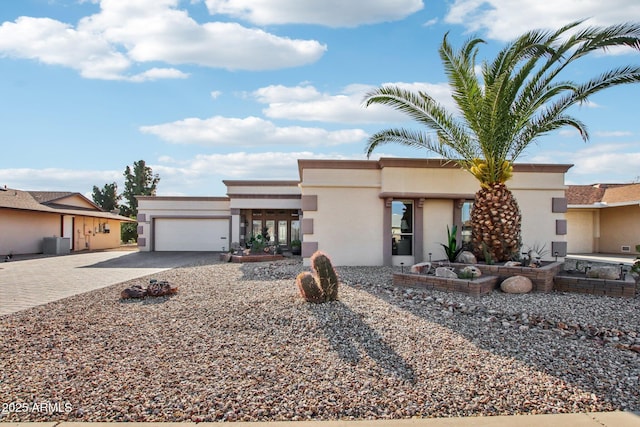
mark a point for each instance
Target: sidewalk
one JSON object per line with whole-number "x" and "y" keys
{"x": 594, "y": 419}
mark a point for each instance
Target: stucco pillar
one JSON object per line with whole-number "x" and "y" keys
{"x": 235, "y": 226}
{"x": 418, "y": 232}
{"x": 386, "y": 233}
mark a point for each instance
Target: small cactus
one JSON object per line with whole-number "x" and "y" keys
{"x": 309, "y": 288}
{"x": 321, "y": 286}
{"x": 325, "y": 275}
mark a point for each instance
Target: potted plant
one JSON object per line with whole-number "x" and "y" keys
{"x": 296, "y": 246}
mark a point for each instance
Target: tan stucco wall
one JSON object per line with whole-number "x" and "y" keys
{"x": 440, "y": 187}
{"x": 619, "y": 226}
{"x": 88, "y": 234}
{"x": 21, "y": 232}
{"x": 438, "y": 214}
{"x": 582, "y": 231}
{"x": 423, "y": 180}
{"x": 538, "y": 221}
{"x": 348, "y": 224}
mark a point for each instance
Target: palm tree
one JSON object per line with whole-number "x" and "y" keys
{"x": 510, "y": 103}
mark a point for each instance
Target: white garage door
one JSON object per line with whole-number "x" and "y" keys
{"x": 192, "y": 234}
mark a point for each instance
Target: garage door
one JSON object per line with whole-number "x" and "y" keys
{"x": 192, "y": 234}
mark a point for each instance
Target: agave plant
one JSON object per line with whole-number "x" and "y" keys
{"x": 509, "y": 104}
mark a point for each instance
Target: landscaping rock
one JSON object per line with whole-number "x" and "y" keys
{"x": 466, "y": 257}
{"x": 604, "y": 272}
{"x": 472, "y": 270}
{"x": 512, "y": 264}
{"x": 162, "y": 288}
{"x": 135, "y": 291}
{"x": 446, "y": 272}
{"x": 421, "y": 268}
{"x": 155, "y": 289}
{"x": 516, "y": 285}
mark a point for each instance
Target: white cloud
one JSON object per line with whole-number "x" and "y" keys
{"x": 58, "y": 179}
{"x": 215, "y": 94}
{"x": 308, "y": 104}
{"x": 249, "y": 132}
{"x": 507, "y": 19}
{"x": 107, "y": 44}
{"x": 593, "y": 163}
{"x": 613, "y": 134}
{"x": 331, "y": 13}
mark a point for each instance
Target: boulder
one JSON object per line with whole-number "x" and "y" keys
{"x": 472, "y": 270}
{"x": 466, "y": 257}
{"x": 512, "y": 264}
{"x": 135, "y": 291}
{"x": 604, "y": 272}
{"x": 446, "y": 272}
{"x": 162, "y": 288}
{"x": 516, "y": 285}
{"x": 421, "y": 268}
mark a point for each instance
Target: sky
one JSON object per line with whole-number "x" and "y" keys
{"x": 208, "y": 90}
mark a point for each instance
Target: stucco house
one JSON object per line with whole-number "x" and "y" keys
{"x": 603, "y": 218}
{"x": 360, "y": 212}
{"x": 32, "y": 220}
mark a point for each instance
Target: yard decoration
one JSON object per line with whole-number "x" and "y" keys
{"x": 322, "y": 285}
{"x": 504, "y": 106}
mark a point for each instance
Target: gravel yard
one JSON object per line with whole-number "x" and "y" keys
{"x": 238, "y": 344}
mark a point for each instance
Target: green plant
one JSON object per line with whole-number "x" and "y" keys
{"x": 257, "y": 243}
{"x": 468, "y": 275}
{"x": 296, "y": 243}
{"x": 540, "y": 250}
{"x": 321, "y": 286}
{"x": 451, "y": 249}
{"x": 486, "y": 254}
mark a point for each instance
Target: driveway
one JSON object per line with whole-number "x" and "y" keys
{"x": 30, "y": 282}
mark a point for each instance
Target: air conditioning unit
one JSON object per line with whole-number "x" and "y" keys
{"x": 625, "y": 248}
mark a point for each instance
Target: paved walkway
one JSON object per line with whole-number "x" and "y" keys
{"x": 594, "y": 419}
{"x": 25, "y": 283}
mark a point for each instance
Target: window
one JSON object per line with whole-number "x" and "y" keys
{"x": 256, "y": 227}
{"x": 466, "y": 221}
{"x": 295, "y": 230}
{"x": 402, "y": 227}
{"x": 282, "y": 232}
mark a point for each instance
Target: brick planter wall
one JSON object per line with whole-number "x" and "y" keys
{"x": 614, "y": 288}
{"x": 249, "y": 258}
{"x": 477, "y": 287}
{"x": 541, "y": 277}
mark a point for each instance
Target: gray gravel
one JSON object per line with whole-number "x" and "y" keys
{"x": 238, "y": 344}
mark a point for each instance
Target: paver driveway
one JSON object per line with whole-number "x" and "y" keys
{"x": 32, "y": 282}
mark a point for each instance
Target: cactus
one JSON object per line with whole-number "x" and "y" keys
{"x": 308, "y": 287}
{"x": 323, "y": 284}
{"x": 325, "y": 275}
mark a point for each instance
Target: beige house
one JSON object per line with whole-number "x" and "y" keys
{"x": 603, "y": 218}
{"x": 54, "y": 222}
{"x": 360, "y": 212}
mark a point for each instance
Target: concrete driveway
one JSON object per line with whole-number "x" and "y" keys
{"x": 29, "y": 282}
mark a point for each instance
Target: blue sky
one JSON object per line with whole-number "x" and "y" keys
{"x": 206, "y": 90}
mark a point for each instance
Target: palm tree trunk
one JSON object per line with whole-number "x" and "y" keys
{"x": 495, "y": 224}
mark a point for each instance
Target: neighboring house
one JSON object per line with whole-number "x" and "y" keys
{"x": 360, "y": 212}
{"x": 603, "y": 218}
{"x": 28, "y": 217}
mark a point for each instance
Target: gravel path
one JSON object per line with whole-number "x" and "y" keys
{"x": 237, "y": 343}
